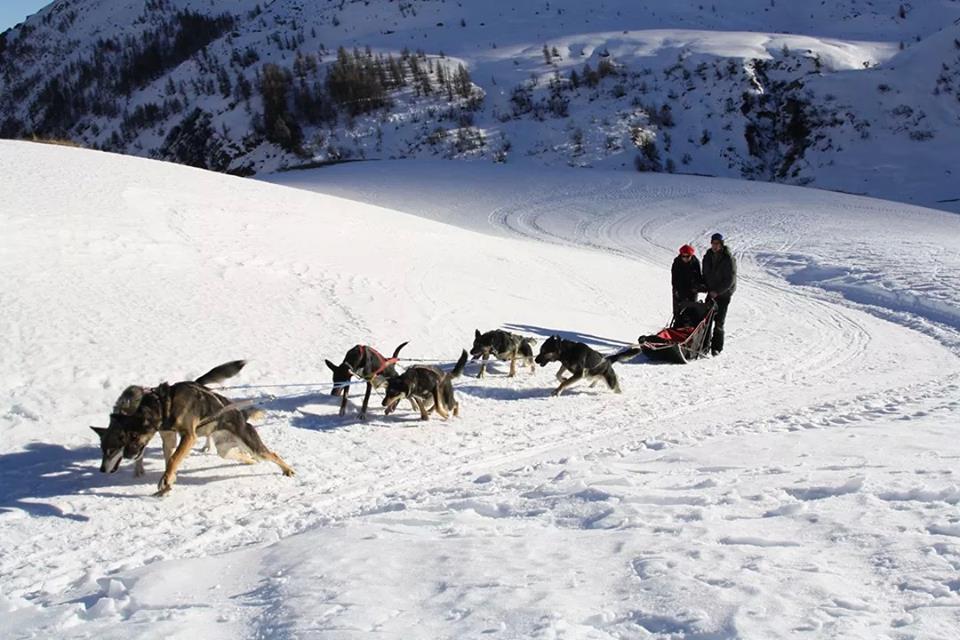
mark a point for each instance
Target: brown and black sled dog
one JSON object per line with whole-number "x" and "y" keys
{"x": 185, "y": 409}
{"x": 428, "y": 388}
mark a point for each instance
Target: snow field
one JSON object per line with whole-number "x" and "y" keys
{"x": 803, "y": 483}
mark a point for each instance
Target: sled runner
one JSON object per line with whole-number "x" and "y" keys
{"x": 681, "y": 344}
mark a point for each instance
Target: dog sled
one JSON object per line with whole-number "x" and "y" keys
{"x": 687, "y": 338}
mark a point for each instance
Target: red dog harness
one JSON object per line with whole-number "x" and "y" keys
{"x": 383, "y": 362}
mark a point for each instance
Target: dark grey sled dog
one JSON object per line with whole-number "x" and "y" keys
{"x": 185, "y": 409}
{"x": 502, "y": 345}
{"x": 582, "y": 362}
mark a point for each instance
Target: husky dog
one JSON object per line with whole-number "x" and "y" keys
{"x": 582, "y": 362}
{"x": 130, "y": 399}
{"x": 430, "y": 388}
{"x": 187, "y": 410}
{"x": 503, "y": 345}
{"x": 367, "y": 364}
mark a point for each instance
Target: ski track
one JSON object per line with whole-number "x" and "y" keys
{"x": 842, "y": 375}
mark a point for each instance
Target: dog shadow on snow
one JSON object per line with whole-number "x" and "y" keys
{"x": 330, "y": 419}
{"x": 33, "y": 479}
{"x": 477, "y": 389}
{"x": 46, "y": 471}
{"x": 306, "y": 414}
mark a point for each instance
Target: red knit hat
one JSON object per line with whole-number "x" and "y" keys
{"x": 687, "y": 250}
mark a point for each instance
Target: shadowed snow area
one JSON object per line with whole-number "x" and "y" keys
{"x": 802, "y": 484}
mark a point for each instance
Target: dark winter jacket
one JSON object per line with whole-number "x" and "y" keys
{"x": 685, "y": 276}
{"x": 720, "y": 271}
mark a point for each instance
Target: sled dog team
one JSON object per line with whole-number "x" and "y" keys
{"x": 190, "y": 409}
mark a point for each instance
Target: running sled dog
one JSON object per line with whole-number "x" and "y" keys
{"x": 582, "y": 362}
{"x": 430, "y": 388}
{"x": 369, "y": 365}
{"x": 186, "y": 409}
{"x": 503, "y": 345}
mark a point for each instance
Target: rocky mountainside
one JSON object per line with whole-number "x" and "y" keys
{"x": 853, "y": 95}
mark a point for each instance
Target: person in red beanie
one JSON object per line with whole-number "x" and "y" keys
{"x": 686, "y": 278}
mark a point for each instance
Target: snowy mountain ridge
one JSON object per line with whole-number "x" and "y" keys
{"x": 853, "y": 96}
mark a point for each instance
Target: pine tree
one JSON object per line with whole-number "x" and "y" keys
{"x": 463, "y": 86}
{"x": 279, "y": 125}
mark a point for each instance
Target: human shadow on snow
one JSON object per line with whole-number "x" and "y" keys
{"x": 588, "y": 338}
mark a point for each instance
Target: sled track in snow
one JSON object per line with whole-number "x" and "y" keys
{"x": 612, "y": 220}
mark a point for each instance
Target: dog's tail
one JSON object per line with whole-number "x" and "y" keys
{"x": 610, "y": 376}
{"x": 625, "y": 354}
{"x": 461, "y": 363}
{"x": 221, "y": 373}
{"x": 396, "y": 352}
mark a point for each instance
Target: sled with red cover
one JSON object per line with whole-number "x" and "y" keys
{"x": 680, "y": 345}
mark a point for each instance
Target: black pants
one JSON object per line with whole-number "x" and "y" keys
{"x": 719, "y": 317}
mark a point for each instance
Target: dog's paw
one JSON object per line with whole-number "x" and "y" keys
{"x": 166, "y": 483}
{"x": 362, "y": 417}
{"x": 288, "y": 472}
{"x": 555, "y": 392}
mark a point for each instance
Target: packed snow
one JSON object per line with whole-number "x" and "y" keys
{"x": 802, "y": 484}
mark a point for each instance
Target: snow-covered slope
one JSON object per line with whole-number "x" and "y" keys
{"x": 852, "y": 96}
{"x": 804, "y": 483}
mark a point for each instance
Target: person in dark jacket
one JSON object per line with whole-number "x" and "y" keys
{"x": 720, "y": 280}
{"x": 685, "y": 278}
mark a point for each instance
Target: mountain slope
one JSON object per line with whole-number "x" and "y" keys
{"x": 766, "y": 91}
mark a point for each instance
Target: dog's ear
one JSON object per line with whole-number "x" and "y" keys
{"x": 332, "y": 366}
{"x": 476, "y": 333}
{"x": 100, "y": 431}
